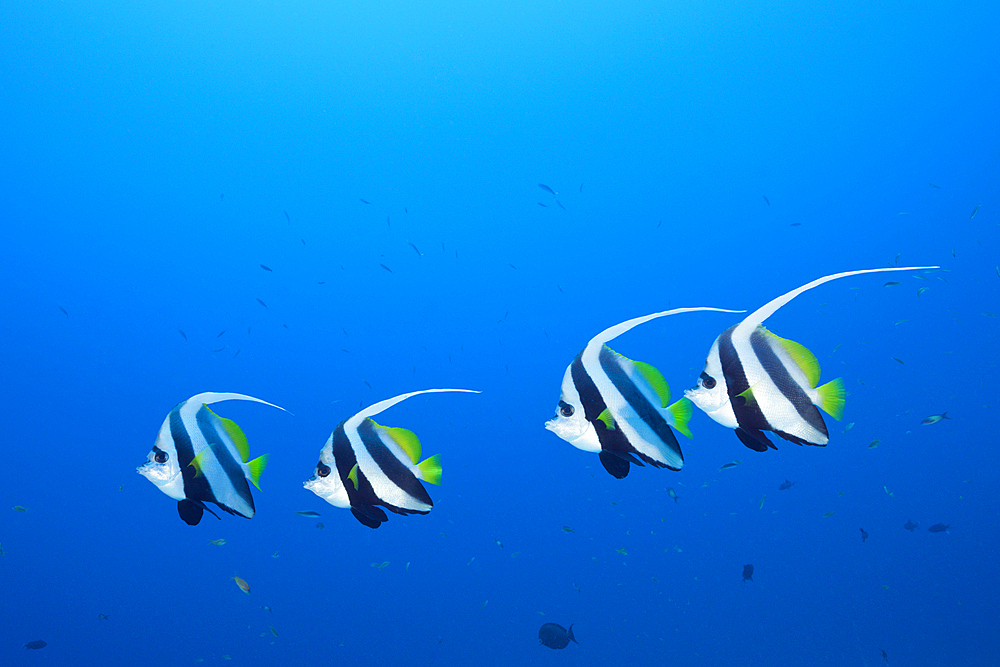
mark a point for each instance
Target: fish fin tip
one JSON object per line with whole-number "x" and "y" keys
{"x": 681, "y": 412}
{"x": 256, "y": 467}
{"x": 430, "y": 469}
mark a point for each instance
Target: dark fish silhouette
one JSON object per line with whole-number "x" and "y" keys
{"x": 548, "y": 189}
{"x": 939, "y": 528}
{"x": 261, "y": 303}
{"x": 786, "y": 485}
{"x": 766, "y": 200}
{"x": 183, "y": 335}
{"x": 934, "y": 419}
{"x": 35, "y": 645}
{"x": 63, "y": 311}
{"x": 747, "y": 573}
{"x": 864, "y": 534}
{"x": 386, "y": 268}
{"x": 365, "y": 201}
{"x": 910, "y": 526}
{"x": 265, "y": 267}
{"x": 554, "y": 635}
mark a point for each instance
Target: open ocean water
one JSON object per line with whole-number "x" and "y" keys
{"x": 383, "y": 161}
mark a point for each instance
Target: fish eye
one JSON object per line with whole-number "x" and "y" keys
{"x": 160, "y": 457}
{"x": 565, "y": 409}
{"x": 322, "y": 469}
{"x": 707, "y": 381}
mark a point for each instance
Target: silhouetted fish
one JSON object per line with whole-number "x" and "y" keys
{"x": 35, "y": 645}
{"x": 786, "y": 485}
{"x": 939, "y": 528}
{"x": 864, "y": 535}
{"x": 547, "y": 189}
{"x": 910, "y": 526}
{"x": 554, "y": 635}
{"x": 748, "y": 572}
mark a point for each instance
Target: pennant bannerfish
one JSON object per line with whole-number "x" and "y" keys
{"x": 755, "y": 381}
{"x": 619, "y": 407}
{"x": 364, "y": 464}
{"x": 200, "y": 457}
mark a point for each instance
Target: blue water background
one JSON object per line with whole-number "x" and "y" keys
{"x": 155, "y": 154}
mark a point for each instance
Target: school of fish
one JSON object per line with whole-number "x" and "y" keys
{"x": 753, "y": 382}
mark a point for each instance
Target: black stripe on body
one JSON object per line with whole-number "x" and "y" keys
{"x": 611, "y": 364}
{"x": 749, "y": 417}
{"x": 208, "y": 425}
{"x": 195, "y": 488}
{"x": 613, "y": 442}
{"x": 391, "y": 467}
{"x": 789, "y": 388}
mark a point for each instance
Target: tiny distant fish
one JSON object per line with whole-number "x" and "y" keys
{"x": 864, "y": 534}
{"x": 288, "y": 218}
{"x": 365, "y": 201}
{"x": 567, "y": 529}
{"x": 388, "y": 223}
{"x": 385, "y": 267}
{"x": 20, "y": 508}
{"x": 266, "y": 267}
{"x": 499, "y": 543}
{"x": 320, "y": 525}
{"x": 727, "y": 466}
{"x": 35, "y": 645}
{"x": 885, "y": 656}
{"x": 827, "y": 514}
{"x": 974, "y": 212}
{"x": 898, "y": 322}
{"x": 673, "y": 494}
{"x": 786, "y": 485}
{"x": 581, "y": 187}
{"x": 512, "y": 266}
{"x": 419, "y": 254}
{"x": 938, "y": 187}
{"x": 273, "y": 631}
{"x": 261, "y": 303}
{"x": 560, "y": 205}
{"x": 102, "y": 617}
{"x": 848, "y": 427}
{"x": 892, "y": 282}
{"x": 219, "y": 542}
{"x": 766, "y": 200}
{"x": 244, "y": 586}
{"x": 761, "y": 506}
{"x": 219, "y": 349}
{"x": 556, "y": 636}
{"x": 921, "y": 290}
{"x": 183, "y": 335}
{"x": 221, "y": 333}
{"x": 747, "y": 572}
{"x": 910, "y": 526}
{"x": 934, "y": 419}
{"x": 309, "y": 513}
{"x": 63, "y": 311}
{"x": 874, "y": 443}
{"x": 939, "y": 528}
{"x": 900, "y": 360}
{"x": 548, "y": 189}
{"x": 542, "y": 205}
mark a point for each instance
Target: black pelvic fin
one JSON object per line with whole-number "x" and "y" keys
{"x": 616, "y": 465}
{"x": 369, "y": 515}
{"x": 190, "y": 511}
{"x": 755, "y": 440}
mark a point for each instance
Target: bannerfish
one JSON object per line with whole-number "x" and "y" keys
{"x": 934, "y": 419}
{"x": 910, "y": 526}
{"x": 939, "y": 528}
{"x": 364, "y": 464}
{"x": 619, "y": 407}
{"x": 786, "y": 485}
{"x": 556, "y": 636}
{"x": 747, "y": 572}
{"x": 35, "y": 645}
{"x": 755, "y": 381}
{"x": 199, "y": 458}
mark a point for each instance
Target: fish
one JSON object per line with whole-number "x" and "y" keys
{"x": 244, "y": 586}
{"x": 766, "y": 200}
{"x": 556, "y": 636}
{"x": 921, "y": 290}
{"x": 885, "y": 656}
{"x": 199, "y": 457}
{"x": 364, "y": 201}
{"x": 20, "y": 508}
{"x": 385, "y": 267}
{"x": 761, "y": 506}
{"x": 63, "y": 311}
{"x": 673, "y": 494}
{"x": 219, "y": 542}
{"x": 864, "y": 534}
{"x": 567, "y": 529}
{"x": 35, "y": 645}
{"x": 899, "y": 360}
{"x": 755, "y": 381}
{"x": 419, "y": 254}
{"x": 747, "y": 572}
{"x": 910, "y": 526}
{"x": 874, "y": 443}
{"x": 976, "y": 210}
{"x": 890, "y": 283}
{"x": 934, "y": 419}
{"x": 308, "y": 513}
{"x": 261, "y": 303}
{"x": 266, "y": 268}
{"x": 786, "y": 485}
{"x": 499, "y": 543}
{"x": 221, "y": 333}
{"x": 273, "y": 631}
{"x": 727, "y": 466}
{"x": 288, "y": 218}
{"x": 938, "y": 187}
{"x": 183, "y": 335}
{"x": 364, "y": 464}
{"x": 827, "y": 515}
{"x": 619, "y": 408}
{"x": 939, "y": 528}
{"x": 102, "y": 617}
{"x": 548, "y": 189}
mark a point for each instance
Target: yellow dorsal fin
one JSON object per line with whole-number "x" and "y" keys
{"x": 235, "y": 434}
{"x": 802, "y": 357}
{"x": 404, "y": 437}
{"x": 652, "y": 375}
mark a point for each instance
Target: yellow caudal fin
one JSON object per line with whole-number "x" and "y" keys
{"x": 430, "y": 469}
{"x": 681, "y": 413}
{"x": 831, "y": 398}
{"x": 257, "y": 467}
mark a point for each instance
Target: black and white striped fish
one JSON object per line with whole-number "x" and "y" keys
{"x": 755, "y": 381}
{"x": 619, "y": 407}
{"x": 364, "y": 464}
{"x": 200, "y": 457}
